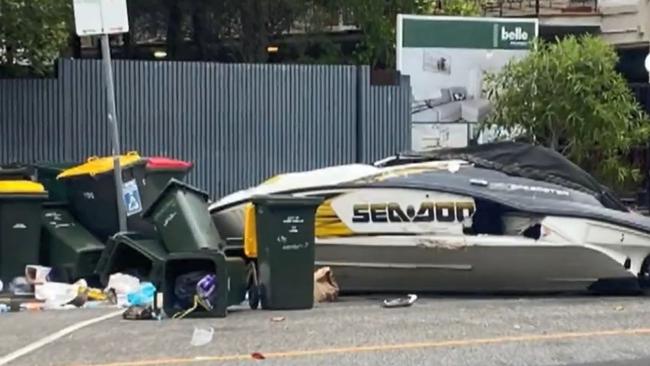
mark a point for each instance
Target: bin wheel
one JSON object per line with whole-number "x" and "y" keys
{"x": 253, "y": 297}
{"x": 253, "y": 288}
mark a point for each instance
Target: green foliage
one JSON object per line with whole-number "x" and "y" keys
{"x": 568, "y": 96}
{"x": 377, "y": 21}
{"x": 33, "y": 33}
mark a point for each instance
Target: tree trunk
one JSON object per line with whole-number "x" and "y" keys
{"x": 200, "y": 29}
{"x": 254, "y": 34}
{"x": 174, "y": 31}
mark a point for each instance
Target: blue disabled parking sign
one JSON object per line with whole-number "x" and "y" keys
{"x": 131, "y": 197}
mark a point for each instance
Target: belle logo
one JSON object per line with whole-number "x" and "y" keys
{"x": 392, "y": 212}
{"x": 518, "y": 34}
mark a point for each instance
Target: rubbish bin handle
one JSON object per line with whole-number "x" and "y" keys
{"x": 132, "y": 153}
{"x": 92, "y": 158}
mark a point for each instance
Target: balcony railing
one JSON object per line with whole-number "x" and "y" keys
{"x": 536, "y": 8}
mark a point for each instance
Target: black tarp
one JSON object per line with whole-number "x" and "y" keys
{"x": 522, "y": 160}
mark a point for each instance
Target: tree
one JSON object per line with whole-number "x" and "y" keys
{"x": 377, "y": 22}
{"x": 567, "y": 96}
{"x": 32, "y": 33}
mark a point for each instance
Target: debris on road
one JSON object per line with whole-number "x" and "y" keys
{"x": 202, "y": 336}
{"x": 401, "y": 301}
{"x": 325, "y": 286}
{"x": 277, "y": 319}
{"x": 258, "y": 356}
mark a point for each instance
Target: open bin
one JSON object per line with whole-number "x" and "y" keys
{"x": 134, "y": 254}
{"x": 20, "y": 226}
{"x": 282, "y": 238}
{"x": 71, "y": 250}
{"x": 180, "y": 214}
{"x": 46, "y": 173}
{"x": 92, "y": 185}
{"x": 182, "y": 272}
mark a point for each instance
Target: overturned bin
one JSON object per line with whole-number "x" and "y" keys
{"x": 280, "y": 233}
{"x": 72, "y": 251}
{"x": 202, "y": 284}
{"x": 135, "y": 254}
{"x": 180, "y": 215}
{"x": 20, "y": 226}
{"x": 92, "y": 184}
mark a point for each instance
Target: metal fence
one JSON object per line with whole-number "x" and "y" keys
{"x": 239, "y": 123}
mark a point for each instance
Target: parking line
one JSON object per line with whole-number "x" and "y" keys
{"x": 392, "y": 347}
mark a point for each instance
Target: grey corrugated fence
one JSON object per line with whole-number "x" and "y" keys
{"x": 239, "y": 123}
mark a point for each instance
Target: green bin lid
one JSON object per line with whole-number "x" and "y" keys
{"x": 173, "y": 183}
{"x": 286, "y": 200}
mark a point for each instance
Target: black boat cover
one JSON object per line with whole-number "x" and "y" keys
{"x": 522, "y": 160}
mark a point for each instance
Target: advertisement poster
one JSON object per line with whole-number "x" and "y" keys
{"x": 446, "y": 59}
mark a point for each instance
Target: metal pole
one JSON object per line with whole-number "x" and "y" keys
{"x": 112, "y": 119}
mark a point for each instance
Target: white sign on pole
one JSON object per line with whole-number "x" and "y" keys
{"x": 93, "y": 17}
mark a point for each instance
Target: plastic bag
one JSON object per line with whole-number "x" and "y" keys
{"x": 123, "y": 284}
{"x": 144, "y": 295}
{"x": 325, "y": 286}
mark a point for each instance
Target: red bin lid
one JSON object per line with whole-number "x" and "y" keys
{"x": 159, "y": 162}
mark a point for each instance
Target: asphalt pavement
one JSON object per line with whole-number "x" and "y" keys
{"x": 544, "y": 331}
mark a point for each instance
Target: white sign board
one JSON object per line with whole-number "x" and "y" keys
{"x": 447, "y": 59}
{"x": 93, "y": 17}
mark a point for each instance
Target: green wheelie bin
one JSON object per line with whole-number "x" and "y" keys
{"x": 180, "y": 214}
{"x": 92, "y": 185}
{"x": 46, "y": 173}
{"x": 134, "y": 254}
{"x": 71, "y": 250}
{"x": 285, "y": 235}
{"x": 20, "y": 226}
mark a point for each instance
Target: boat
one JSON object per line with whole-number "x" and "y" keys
{"x": 491, "y": 218}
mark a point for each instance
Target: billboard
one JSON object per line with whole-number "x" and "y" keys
{"x": 447, "y": 58}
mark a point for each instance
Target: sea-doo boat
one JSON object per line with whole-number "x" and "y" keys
{"x": 499, "y": 217}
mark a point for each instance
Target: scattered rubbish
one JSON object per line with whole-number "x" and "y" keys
{"x": 202, "y": 336}
{"x": 144, "y": 296}
{"x": 56, "y": 294}
{"x": 4, "y": 308}
{"x": 517, "y": 326}
{"x": 32, "y": 306}
{"x": 123, "y": 284}
{"x": 258, "y": 356}
{"x": 400, "y": 302}
{"x": 277, "y": 319}
{"x": 37, "y": 274}
{"x": 619, "y": 308}
{"x": 325, "y": 286}
{"x": 194, "y": 289}
{"x": 136, "y": 312}
{"x": 20, "y": 287}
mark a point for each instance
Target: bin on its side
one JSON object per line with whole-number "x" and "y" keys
{"x": 134, "y": 254}
{"x": 20, "y": 226}
{"x": 180, "y": 214}
{"x": 285, "y": 235}
{"x": 71, "y": 250}
{"x": 178, "y": 295}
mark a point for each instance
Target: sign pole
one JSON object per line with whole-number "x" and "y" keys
{"x": 112, "y": 119}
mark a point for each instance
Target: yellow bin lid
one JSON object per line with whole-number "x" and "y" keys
{"x": 96, "y": 165}
{"x": 20, "y": 186}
